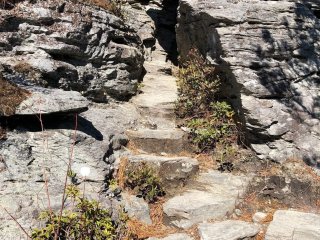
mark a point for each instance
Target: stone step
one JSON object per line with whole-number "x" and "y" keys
{"x": 176, "y": 172}
{"x": 159, "y": 141}
{"x": 287, "y": 225}
{"x": 158, "y": 67}
{"x": 176, "y": 236}
{"x": 214, "y": 198}
{"x": 159, "y": 93}
{"x": 227, "y": 230}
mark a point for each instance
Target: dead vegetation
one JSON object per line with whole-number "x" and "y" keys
{"x": 10, "y": 97}
{"x": 2, "y": 132}
{"x": 8, "y": 4}
{"x": 24, "y": 68}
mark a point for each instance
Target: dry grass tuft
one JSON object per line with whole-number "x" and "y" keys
{"x": 269, "y": 217}
{"x": 24, "y": 67}
{"x": 247, "y": 217}
{"x": 2, "y": 132}
{"x": 261, "y": 235}
{"x": 10, "y": 97}
{"x": 141, "y": 230}
{"x": 193, "y": 232}
{"x": 122, "y": 168}
{"x": 306, "y": 169}
{"x": 206, "y": 161}
{"x": 156, "y": 213}
{"x": 114, "y": 6}
{"x": 133, "y": 149}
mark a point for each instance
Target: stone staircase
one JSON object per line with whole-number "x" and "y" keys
{"x": 194, "y": 196}
{"x": 205, "y": 201}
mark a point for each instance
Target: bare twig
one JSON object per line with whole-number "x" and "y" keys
{"x": 66, "y": 179}
{"x": 16, "y": 222}
{"x": 43, "y": 168}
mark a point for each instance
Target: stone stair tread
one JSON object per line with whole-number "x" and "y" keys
{"x": 159, "y": 93}
{"x": 175, "y": 236}
{"x": 214, "y": 201}
{"x": 155, "y": 134}
{"x": 170, "y": 167}
{"x": 158, "y": 66}
{"x": 235, "y": 230}
{"x": 158, "y": 141}
{"x": 289, "y": 224}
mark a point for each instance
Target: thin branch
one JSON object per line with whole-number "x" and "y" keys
{"x": 16, "y": 222}
{"x": 66, "y": 179}
{"x": 43, "y": 168}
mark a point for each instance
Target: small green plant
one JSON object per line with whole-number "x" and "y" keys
{"x": 142, "y": 179}
{"x": 71, "y": 174}
{"x": 209, "y": 120}
{"x": 90, "y": 222}
{"x": 113, "y": 183}
{"x": 122, "y": 229}
{"x": 224, "y": 158}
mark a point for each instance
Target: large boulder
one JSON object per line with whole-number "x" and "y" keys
{"x": 72, "y": 46}
{"x": 25, "y": 150}
{"x": 267, "y": 55}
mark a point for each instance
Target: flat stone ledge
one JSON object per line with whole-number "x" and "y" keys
{"x": 52, "y": 101}
{"x": 293, "y": 225}
{"x": 227, "y": 230}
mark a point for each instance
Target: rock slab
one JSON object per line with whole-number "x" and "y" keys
{"x": 227, "y": 230}
{"x": 52, "y": 101}
{"x": 177, "y": 236}
{"x": 159, "y": 141}
{"x": 214, "y": 198}
{"x": 288, "y": 225}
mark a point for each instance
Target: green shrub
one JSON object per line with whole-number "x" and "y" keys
{"x": 142, "y": 179}
{"x": 88, "y": 221}
{"x": 91, "y": 221}
{"x": 210, "y": 121}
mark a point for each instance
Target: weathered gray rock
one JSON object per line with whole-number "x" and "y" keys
{"x": 214, "y": 198}
{"x": 21, "y": 174}
{"x": 52, "y": 101}
{"x": 159, "y": 93}
{"x": 176, "y": 236}
{"x": 158, "y": 141}
{"x": 75, "y": 47}
{"x": 268, "y": 54}
{"x": 137, "y": 207}
{"x": 293, "y": 225}
{"x": 258, "y": 216}
{"x": 175, "y": 172}
{"x": 227, "y": 230}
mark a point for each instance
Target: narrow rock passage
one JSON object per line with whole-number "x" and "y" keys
{"x": 193, "y": 196}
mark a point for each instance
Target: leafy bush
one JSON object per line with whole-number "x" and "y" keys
{"x": 90, "y": 221}
{"x": 210, "y": 121}
{"x": 142, "y": 179}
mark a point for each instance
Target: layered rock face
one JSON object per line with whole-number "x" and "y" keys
{"x": 73, "y": 47}
{"x": 267, "y": 54}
